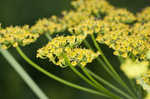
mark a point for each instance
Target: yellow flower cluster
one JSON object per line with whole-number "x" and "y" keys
{"x": 88, "y": 26}
{"x": 116, "y": 38}
{"x": 120, "y": 16}
{"x": 51, "y": 25}
{"x": 99, "y": 27}
{"x": 93, "y": 7}
{"x": 55, "y": 49}
{"x": 139, "y": 71}
{"x": 73, "y": 18}
{"x": 14, "y": 36}
{"x": 84, "y": 9}
{"x": 128, "y": 42}
{"x": 144, "y": 16}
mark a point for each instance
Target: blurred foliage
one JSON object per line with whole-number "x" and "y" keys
{"x": 19, "y": 12}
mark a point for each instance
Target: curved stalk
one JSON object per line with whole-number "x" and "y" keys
{"x": 37, "y": 67}
{"x": 115, "y": 74}
{"x": 108, "y": 84}
{"x": 100, "y": 88}
{"x": 23, "y": 74}
{"x": 91, "y": 78}
{"x": 99, "y": 60}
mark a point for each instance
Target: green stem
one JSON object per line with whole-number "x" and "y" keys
{"x": 115, "y": 74}
{"x": 108, "y": 84}
{"x": 133, "y": 85}
{"x": 23, "y": 74}
{"x": 92, "y": 79}
{"x": 48, "y": 36}
{"x": 100, "y": 88}
{"x": 37, "y": 67}
{"x": 100, "y": 61}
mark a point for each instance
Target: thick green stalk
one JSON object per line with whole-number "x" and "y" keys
{"x": 23, "y": 74}
{"x": 37, "y": 67}
{"x": 92, "y": 79}
{"x": 115, "y": 74}
{"x": 100, "y": 88}
{"x": 108, "y": 84}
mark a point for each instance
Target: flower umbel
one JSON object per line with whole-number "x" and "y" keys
{"x": 55, "y": 49}
{"x": 14, "y": 36}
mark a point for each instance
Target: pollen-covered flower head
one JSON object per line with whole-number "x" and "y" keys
{"x": 88, "y": 26}
{"x": 94, "y": 7}
{"x": 115, "y": 36}
{"x": 128, "y": 42}
{"x": 51, "y": 25}
{"x": 120, "y": 16}
{"x": 134, "y": 69}
{"x": 55, "y": 49}
{"x": 14, "y": 36}
{"x": 73, "y": 18}
{"x": 144, "y": 15}
{"x": 96, "y": 26}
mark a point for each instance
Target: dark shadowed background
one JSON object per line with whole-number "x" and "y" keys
{"x": 20, "y": 12}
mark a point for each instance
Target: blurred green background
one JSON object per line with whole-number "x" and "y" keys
{"x": 19, "y": 12}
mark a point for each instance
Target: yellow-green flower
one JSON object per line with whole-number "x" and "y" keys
{"x": 134, "y": 69}
{"x": 120, "y": 16}
{"x": 55, "y": 49}
{"x": 95, "y": 7}
{"x": 144, "y": 16}
{"x": 73, "y": 18}
{"x": 51, "y": 25}
{"x": 14, "y": 36}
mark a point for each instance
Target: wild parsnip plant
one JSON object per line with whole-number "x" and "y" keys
{"x": 126, "y": 33}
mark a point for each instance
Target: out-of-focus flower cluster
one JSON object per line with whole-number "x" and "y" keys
{"x": 14, "y": 36}
{"x": 60, "y": 46}
{"x": 134, "y": 69}
{"x": 140, "y": 71}
{"x": 50, "y": 25}
{"x": 144, "y": 16}
{"x": 93, "y": 7}
{"x": 120, "y": 16}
